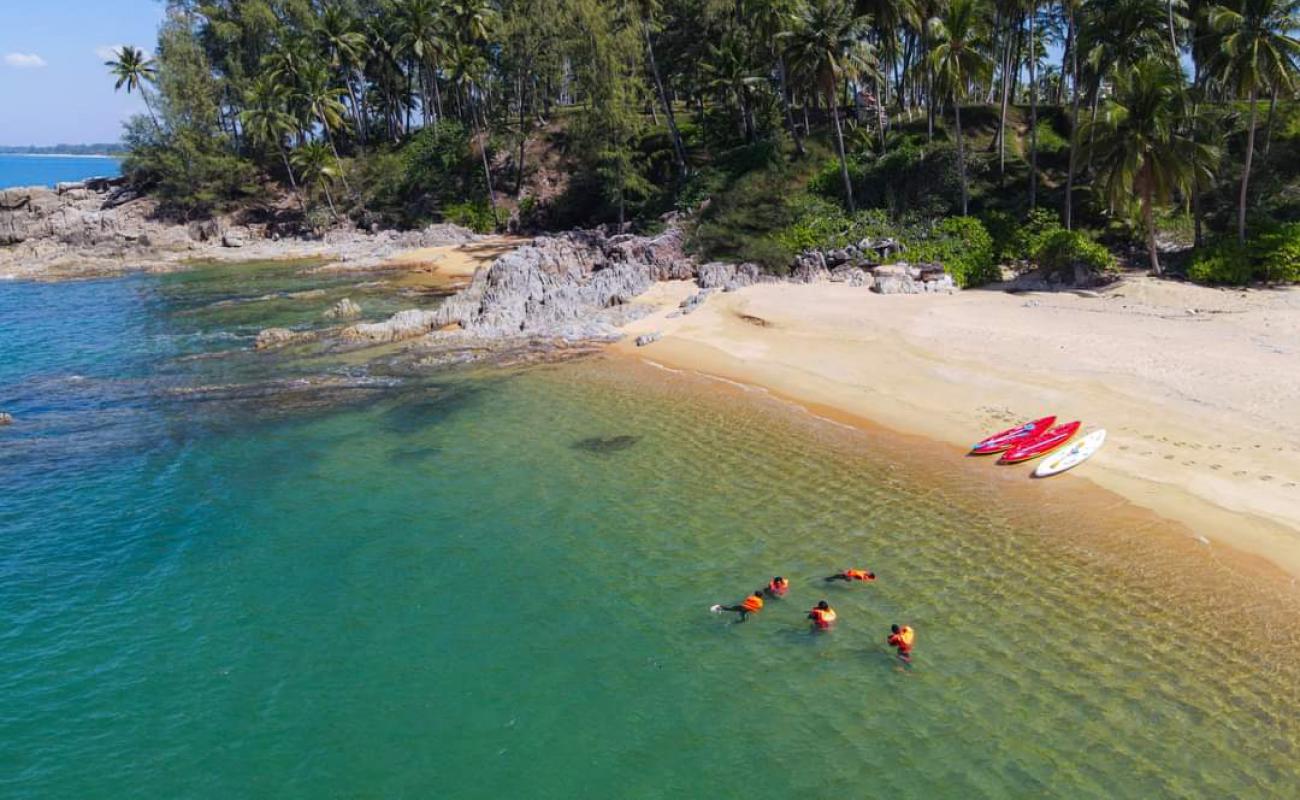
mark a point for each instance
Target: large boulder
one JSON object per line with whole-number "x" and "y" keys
{"x": 344, "y": 309}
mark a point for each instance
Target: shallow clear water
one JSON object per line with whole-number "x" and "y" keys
{"x": 428, "y": 588}
{"x": 21, "y": 170}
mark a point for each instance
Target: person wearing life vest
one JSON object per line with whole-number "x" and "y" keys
{"x": 822, "y": 616}
{"x": 852, "y": 575}
{"x": 750, "y": 605}
{"x": 902, "y": 637}
{"x": 777, "y": 587}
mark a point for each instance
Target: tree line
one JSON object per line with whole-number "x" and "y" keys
{"x": 307, "y": 90}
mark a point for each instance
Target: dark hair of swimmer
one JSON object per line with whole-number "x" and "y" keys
{"x": 893, "y": 628}
{"x": 823, "y": 605}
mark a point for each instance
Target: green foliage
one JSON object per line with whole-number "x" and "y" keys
{"x": 962, "y": 245}
{"x": 191, "y": 175}
{"x": 815, "y": 223}
{"x": 1224, "y": 262}
{"x": 1049, "y": 141}
{"x": 477, "y": 216}
{"x": 1063, "y": 252}
{"x": 1271, "y": 255}
{"x": 740, "y": 222}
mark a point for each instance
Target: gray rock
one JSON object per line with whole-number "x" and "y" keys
{"x": 890, "y": 271}
{"x": 810, "y": 268}
{"x": 836, "y": 257}
{"x": 648, "y": 338}
{"x": 233, "y": 238}
{"x": 891, "y": 284}
{"x": 274, "y": 337}
{"x": 344, "y": 309}
{"x": 852, "y": 276}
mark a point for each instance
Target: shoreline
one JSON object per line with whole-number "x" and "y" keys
{"x": 913, "y": 365}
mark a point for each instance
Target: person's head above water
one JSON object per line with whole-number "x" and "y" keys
{"x": 823, "y": 605}
{"x": 871, "y": 575}
{"x": 778, "y": 579}
{"x": 893, "y": 628}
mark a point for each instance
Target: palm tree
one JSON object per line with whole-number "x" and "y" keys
{"x": 347, "y": 46}
{"x": 467, "y": 64}
{"x": 728, "y": 72}
{"x": 419, "y": 39}
{"x": 266, "y": 119}
{"x": 1140, "y": 149}
{"x": 313, "y": 162}
{"x": 957, "y": 62}
{"x": 1255, "y": 51}
{"x": 133, "y": 69}
{"x": 647, "y": 10}
{"x": 827, "y": 45}
{"x": 324, "y": 101}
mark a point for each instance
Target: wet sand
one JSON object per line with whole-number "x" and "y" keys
{"x": 1195, "y": 386}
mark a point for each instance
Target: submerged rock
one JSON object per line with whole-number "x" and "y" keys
{"x": 278, "y": 337}
{"x": 343, "y": 309}
{"x": 603, "y": 445}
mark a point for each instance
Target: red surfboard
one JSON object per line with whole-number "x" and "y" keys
{"x": 1042, "y": 445}
{"x": 1013, "y": 436}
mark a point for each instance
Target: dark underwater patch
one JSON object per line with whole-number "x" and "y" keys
{"x": 603, "y": 445}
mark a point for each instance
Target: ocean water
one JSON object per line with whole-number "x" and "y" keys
{"x": 308, "y": 574}
{"x": 25, "y": 170}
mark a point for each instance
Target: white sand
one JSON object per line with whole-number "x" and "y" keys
{"x": 1199, "y": 388}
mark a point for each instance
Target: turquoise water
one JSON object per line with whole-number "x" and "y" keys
{"x": 20, "y": 170}
{"x": 216, "y": 583}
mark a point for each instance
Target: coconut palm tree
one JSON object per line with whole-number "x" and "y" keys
{"x": 1140, "y": 149}
{"x": 266, "y": 119}
{"x": 347, "y": 46}
{"x": 467, "y": 65}
{"x": 827, "y": 45}
{"x": 958, "y": 62}
{"x": 134, "y": 70}
{"x": 313, "y": 162}
{"x": 324, "y": 100}
{"x": 420, "y": 40}
{"x": 1256, "y": 52}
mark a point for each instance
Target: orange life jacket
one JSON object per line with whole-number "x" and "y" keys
{"x": 752, "y": 603}
{"x": 857, "y": 575}
{"x": 903, "y": 639}
{"x": 823, "y": 617}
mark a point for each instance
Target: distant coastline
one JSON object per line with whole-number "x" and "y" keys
{"x": 93, "y": 150}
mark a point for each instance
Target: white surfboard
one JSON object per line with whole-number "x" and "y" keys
{"x": 1072, "y": 456}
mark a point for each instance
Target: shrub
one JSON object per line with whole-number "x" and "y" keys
{"x": 477, "y": 216}
{"x": 962, "y": 245}
{"x": 816, "y": 223}
{"x": 1040, "y": 225}
{"x": 1224, "y": 262}
{"x": 1273, "y": 254}
{"x": 1049, "y": 141}
{"x": 1278, "y": 254}
{"x": 1063, "y": 251}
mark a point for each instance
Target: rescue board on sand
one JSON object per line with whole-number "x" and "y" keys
{"x": 1011, "y": 437}
{"x": 1072, "y": 456}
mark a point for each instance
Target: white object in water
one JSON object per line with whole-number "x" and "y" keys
{"x": 1072, "y": 456}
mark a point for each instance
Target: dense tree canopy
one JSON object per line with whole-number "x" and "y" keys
{"x": 645, "y": 97}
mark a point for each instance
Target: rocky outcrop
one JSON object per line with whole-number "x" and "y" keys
{"x": 279, "y": 337}
{"x": 99, "y": 227}
{"x": 648, "y": 338}
{"x": 903, "y": 278}
{"x": 576, "y": 287}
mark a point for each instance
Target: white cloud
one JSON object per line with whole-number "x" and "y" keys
{"x": 24, "y": 60}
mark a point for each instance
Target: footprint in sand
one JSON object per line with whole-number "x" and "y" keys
{"x": 1146, "y": 452}
{"x": 1239, "y": 473}
{"x": 1216, "y": 466}
{"x": 1266, "y": 477}
{"x": 1288, "y": 485}
{"x": 1169, "y": 457}
{"x": 1189, "y": 463}
{"x": 1123, "y": 447}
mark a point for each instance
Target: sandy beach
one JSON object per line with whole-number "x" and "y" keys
{"x": 1197, "y": 387}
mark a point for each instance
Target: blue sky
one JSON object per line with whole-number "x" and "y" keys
{"x": 54, "y": 87}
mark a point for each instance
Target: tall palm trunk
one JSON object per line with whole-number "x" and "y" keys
{"x": 1268, "y": 126}
{"x": 482, "y": 148}
{"x": 679, "y": 151}
{"x": 1033, "y": 110}
{"x": 785, "y": 106}
{"x": 961, "y": 156}
{"x": 839, "y": 147}
{"x": 1072, "y": 44}
{"x": 1245, "y": 172}
{"x": 329, "y": 137}
{"x": 293, "y": 182}
{"x": 1148, "y": 219}
{"x": 1006, "y": 96}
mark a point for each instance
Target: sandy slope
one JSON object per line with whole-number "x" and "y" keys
{"x": 1199, "y": 388}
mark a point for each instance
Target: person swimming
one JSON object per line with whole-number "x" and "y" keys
{"x": 902, "y": 637}
{"x": 852, "y": 575}
{"x": 777, "y": 587}
{"x": 750, "y": 605}
{"x": 822, "y": 615}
